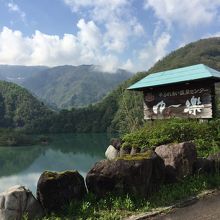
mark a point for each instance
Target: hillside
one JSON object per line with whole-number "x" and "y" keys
{"x": 18, "y": 74}
{"x": 20, "y": 109}
{"x": 122, "y": 110}
{"x": 73, "y": 86}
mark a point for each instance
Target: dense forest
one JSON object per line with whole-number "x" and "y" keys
{"x": 119, "y": 111}
{"x": 19, "y": 109}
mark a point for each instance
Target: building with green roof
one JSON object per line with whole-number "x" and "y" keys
{"x": 187, "y": 92}
{"x": 174, "y": 76}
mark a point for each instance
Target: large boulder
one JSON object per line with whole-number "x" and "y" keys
{"x": 204, "y": 165}
{"x": 111, "y": 153}
{"x": 215, "y": 159}
{"x": 55, "y": 190}
{"x": 17, "y": 201}
{"x": 134, "y": 175}
{"x": 178, "y": 159}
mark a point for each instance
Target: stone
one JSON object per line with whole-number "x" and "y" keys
{"x": 56, "y": 190}
{"x": 178, "y": 159}
{"x": 116, "y": 143}
{"x": 135, "y": 150}
{"x": 215, "y": 158}
{"x": 203, "y": 165}
{"x": 133, "y": 175}
{"x": 18, "y": 201}
{"x": 125, "y": 149}
{"x": 111, "y": 153}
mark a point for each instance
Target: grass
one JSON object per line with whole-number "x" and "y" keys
{"x": 115, "y": 208}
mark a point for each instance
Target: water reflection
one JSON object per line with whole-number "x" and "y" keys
{"x": 24, "y": 165}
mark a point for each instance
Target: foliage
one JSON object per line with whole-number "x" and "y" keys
{"x": 114, "y": 207}
{"x": 205, "y": 135}
{"x": 19, "y": 109}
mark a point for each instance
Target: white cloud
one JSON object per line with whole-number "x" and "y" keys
{"x": 217, "y": 34}
{"x": 154, "y": 51}
{"x": 128, "y": 65}
{"x": 85, "y": 47}
{"x": 41, "y": 49}
{"x": 184, "y": 12}
{"x": 15, "y": 8}
{"x": 100, "y": 9}
{"x": 116, "y": 18}
{"x": 89, "y": 35}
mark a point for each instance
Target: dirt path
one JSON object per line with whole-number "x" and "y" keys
{"x": 207, "y": 208}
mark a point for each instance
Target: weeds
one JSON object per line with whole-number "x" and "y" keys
{"x": 115, "y": 207}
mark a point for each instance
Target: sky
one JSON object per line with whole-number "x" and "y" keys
{"x": 128, "y": 34}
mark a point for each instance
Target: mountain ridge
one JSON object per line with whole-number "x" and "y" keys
{"x": 66, "y": 86}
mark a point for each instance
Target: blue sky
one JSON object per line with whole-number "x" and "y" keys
{"x": 130, "y": 34}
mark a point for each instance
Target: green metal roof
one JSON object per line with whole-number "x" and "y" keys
{"x": 189, "y": 73}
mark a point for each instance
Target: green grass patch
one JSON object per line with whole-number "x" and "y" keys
{"x": 206, "y": 136}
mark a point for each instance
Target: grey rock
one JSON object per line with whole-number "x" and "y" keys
{"x": 111, "y": 153}
{"x": 178, "y": 159}
{"x": 215, "y": 159}
{"x": 204, "y": 165}
{"x": 17, "y": 201}
{"x": 135, "y": 150}
{"x": 137, "y": 175}
{"x": 56, "y": 190}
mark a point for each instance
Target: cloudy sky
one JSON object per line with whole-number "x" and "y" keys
{"x": 130, "y": 34}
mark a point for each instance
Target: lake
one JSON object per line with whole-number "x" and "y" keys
{"x": 23, "y": 165}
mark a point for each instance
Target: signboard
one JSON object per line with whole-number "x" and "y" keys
{"x": 183, "y": 102}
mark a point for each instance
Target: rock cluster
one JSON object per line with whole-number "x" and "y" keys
{"x": 179, "y": 159}
{"x": 126, "y": 170}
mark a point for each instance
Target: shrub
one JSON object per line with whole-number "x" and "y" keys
{"x": 206, "y": 136}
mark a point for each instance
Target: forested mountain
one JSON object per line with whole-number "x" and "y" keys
{"x": 18, "y": 74}
{"x": 20, "y": 109}
{"x": 73, "y": 86}
{"x": 64, "y": 86}
{"x": 122, "y": 110}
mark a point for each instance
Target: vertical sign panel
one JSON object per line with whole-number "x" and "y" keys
{"x": 183, "y": 102}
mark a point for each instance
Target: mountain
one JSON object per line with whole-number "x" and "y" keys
{"x": 20, "y": 109}
{"x": 18, "y": 74}
{"x": 64, "y": 86}
{"x": 73, "y": 86}
{"x": 122, "y": 110}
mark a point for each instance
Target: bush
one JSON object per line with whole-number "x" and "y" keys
{"x": 206, "y": 136}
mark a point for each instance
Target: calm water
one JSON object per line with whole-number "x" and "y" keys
{"x": 23, "y": 165}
